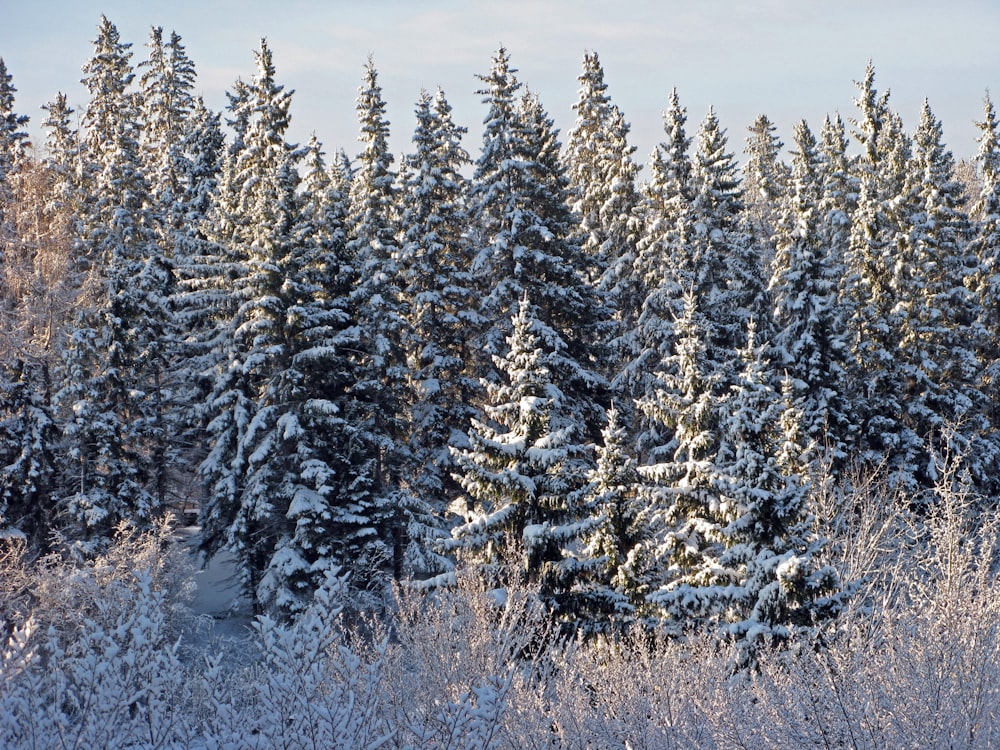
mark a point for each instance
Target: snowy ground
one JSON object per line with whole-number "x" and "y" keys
{"x": 217, "y": 599}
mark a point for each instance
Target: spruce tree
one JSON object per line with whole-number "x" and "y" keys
{"x": 765, "y": 181}
{"x": 522, "y": 475}
{"x": 704, "y": 250}
{"x": 939, "y": 330}
{"x": 986, "y": 245}
{"x": 681, "y": 478}
{"x": 13, "y": 146}
{"x": 62, "y": 162}
{"x": 113, "y": 393}
{"x": 441, "y": 310}
{"x": 648, "y": 291}
{"x": 871, "y": 289}
{"x": 601, "y": 176}
{"x": 613, "y": 561}
{"x": 380, "y": 315}
{"x": 722, "y": 262}
{"x": 809, "y": 331}
{"x": 771, "y": 582}
{"x": 304, "y": 456}
{"x": 167, "y": 101}
{"x": 527, "y": 243}
{"x": 240, "y": 413}
{"x": 29, "y": 463}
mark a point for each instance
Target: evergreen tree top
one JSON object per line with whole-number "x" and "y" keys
{"x": 988, "y": 201}
{"x": 13, "y": 140}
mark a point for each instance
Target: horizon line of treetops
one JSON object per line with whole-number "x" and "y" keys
{"x": 627, "y": 394}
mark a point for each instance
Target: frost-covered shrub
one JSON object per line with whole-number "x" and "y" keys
{"x": 114, "y": 680}
{"x": 61, "y": 590}
{"x": 913, "y": 662}
{"x": 461, "y": 660}
{"x": 308, "y": 689}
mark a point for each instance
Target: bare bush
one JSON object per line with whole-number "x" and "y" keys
{"x": 914, "y": 662}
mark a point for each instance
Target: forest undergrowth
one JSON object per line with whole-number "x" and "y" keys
{"x": 107, "y": 653}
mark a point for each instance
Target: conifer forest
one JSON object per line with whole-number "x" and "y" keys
{"x": 516, "y": 440}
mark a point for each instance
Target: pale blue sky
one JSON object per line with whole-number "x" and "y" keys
{"x": 782, "y": 58}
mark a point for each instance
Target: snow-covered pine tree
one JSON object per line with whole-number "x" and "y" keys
{"x": 809, "y": 330}
{"x": 727, "y": 504}
{"x": 13, "y": 147}
{"x": 705, "y": 251}
{"x": 442, "y": 312}
{"x": 870, "y": 289}
{"x": 986, "y": 245}
{"x": 613, "y": 586}
{"x": 646, "y": 291}
{"x": 167, "y": 110}
{"x": 770, "y": 583}
{"x": 722, "y": 262}
{"x": 379, "y": 310}
{"x": 765, "y": 181}
{"x": 167, "y": 101}
{"x": 571, "y": 305}
{"x": 681, "y": 481}
{"x": 112, "y": 391}
{"x": 61, "y": 163}
{"x": 258, "y": 221}
{"x": 839, "y": 187}
{"x": 311, "y": 464}
{"x": 202, "y": 291}
{"x": 939, "y": 332}
{"x": 527, "y": 243}
{"x": 602, "y": 176}
{"x": 284, "y": 465}
{"x": 29, "y": 440}
{"x": 522, "y": 474}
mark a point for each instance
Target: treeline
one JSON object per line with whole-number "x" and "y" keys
{"x": 629, "y": 394}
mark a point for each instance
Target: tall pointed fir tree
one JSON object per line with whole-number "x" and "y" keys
{"x": 939, "y": 332}
{"x": 239, "y": 514}
{"x": 202, "y": 262}
{"x": 871, "y": 289}
{"x": 318, "y": 442}
{"x": 283, "y": 470}
{"x": 29, "y": 440}
{"x": 771, "y": 582}
{"x": 380, "y": 314}
{"x": 167, "y": 102}
{"x": 705, "y": 251}
{"x": 61, "y": 164}
{"x": 602, "y": 175}
{"x": 732, "y": 537}
{"x": 13, "y": 146}
{"x": 311, "y": 464}
{"x": 722, "y": 262}
{"x": 809, "y": 330}
{"x": 167, "y": 108}
{"x": 613, "y": 582}
{"x": 182, "y": 149}
{"x": 205, "y": 300}
{"x": 765, "y": 181}
{"x": 986, "y": 245}
{"x": 112, "y": 393}
{"x": 681, "y": 479}
{"x": 839, "y": 188}
{"x": 527, "y": 244}
{"x": 522, "y": 474}
{"x": 649, "y": 292}
{"x": 441, "y": 310}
